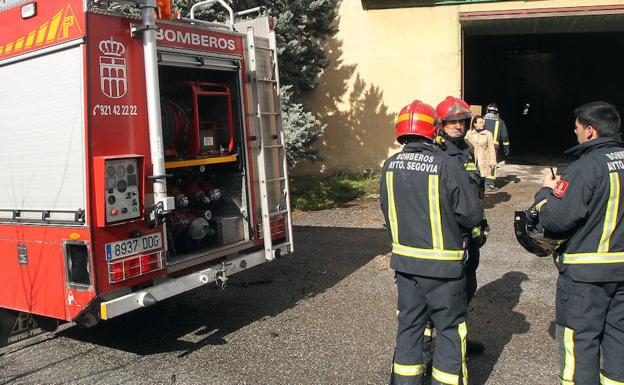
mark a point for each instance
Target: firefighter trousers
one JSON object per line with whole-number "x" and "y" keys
{"x": 472, "y": 263}
{"x": 590, "y": 319}
{"x": 444, "y": 301}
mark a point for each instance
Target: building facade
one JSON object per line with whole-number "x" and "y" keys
{"x": 549, "y": 54}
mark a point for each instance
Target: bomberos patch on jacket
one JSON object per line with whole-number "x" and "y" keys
{"x": 560, "y": 188}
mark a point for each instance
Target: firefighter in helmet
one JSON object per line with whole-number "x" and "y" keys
{"x": 454, "y": 115}
{"x": 584, "y": 204}
{"x": 497, "y": 127}
{"x": 426, "y": 199}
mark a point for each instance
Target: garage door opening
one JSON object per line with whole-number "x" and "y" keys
{"x": 537, "y": 79}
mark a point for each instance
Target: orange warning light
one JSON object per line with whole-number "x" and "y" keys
{"x": 164, "y": 9}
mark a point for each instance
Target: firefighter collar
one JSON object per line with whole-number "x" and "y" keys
{"x": 580, "y": 149}
{"x": 418, "y": 146}
{"x": 455, "y": 146}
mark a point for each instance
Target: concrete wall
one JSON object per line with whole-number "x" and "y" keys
{"x": 380, "y": 61}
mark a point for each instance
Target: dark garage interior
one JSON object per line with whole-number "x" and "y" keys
{"x": 552, "y": 69}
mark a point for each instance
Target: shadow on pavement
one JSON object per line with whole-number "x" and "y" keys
{"x": 494, "y": 198}
{"x": 493, "y": 322}
{"x": 505, "y": 180}
{"x": 206, "y": 316}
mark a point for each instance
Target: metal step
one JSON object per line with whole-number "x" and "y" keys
{"x": 274, "y": 146}
{"x": 277, "y": 213}
{"x": 269, "y": 113}
{"x": 276, "y": 179}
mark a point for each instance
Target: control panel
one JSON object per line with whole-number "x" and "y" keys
{"x": 122, "y": 189}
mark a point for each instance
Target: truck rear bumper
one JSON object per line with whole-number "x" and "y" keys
{"x": 173, "y": 286}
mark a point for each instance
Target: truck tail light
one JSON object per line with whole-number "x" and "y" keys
{"x": 149, "y": 262}
{"x": 116, "y": 272}
{"x": 135, "y": 266}
{"x": 132, "y": 267}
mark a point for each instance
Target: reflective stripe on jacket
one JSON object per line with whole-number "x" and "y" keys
{"x": 426, "y": 198}
{"x": 497, "y": 127}
{"x": 588, "y": 203}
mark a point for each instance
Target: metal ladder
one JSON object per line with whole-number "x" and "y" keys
{"x": 265, "y": 149}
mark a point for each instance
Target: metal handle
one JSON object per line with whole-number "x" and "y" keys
{"x": 209, "y": 2}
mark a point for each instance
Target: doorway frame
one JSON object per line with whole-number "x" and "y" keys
{"x": 591, "y": 10}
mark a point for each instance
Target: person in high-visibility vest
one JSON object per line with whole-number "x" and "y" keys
{"x": 585, "y": 204}
{"x": 496, "y": 125}
{"x": 427, "y": 198}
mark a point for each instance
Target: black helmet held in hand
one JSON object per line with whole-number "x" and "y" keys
{"x": 533, "y": 237}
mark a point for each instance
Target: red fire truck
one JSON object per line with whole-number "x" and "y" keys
{"x": 141, "y": 157}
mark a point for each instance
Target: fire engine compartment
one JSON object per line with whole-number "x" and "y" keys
{"x": 203, "y": 136}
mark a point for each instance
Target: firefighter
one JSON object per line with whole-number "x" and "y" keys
{"x": 497, "y": 127}
{"x": 426, "y": 199}
{"x": 584, "y": 203}
{"x": 455, "y": 115}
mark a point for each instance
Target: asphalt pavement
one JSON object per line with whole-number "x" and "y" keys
{"x": 325, "y": 315}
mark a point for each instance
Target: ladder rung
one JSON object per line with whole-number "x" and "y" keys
{"x": 267, "y": 80}
{"x": 274, "y": 146}
{"x": 276, "y": 179}
{"x": 264, "y": 48}
{"x": 270, "y": 113}
{"x": 276, "y": 213}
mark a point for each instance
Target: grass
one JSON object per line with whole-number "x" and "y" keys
{"x": 310, "y": 193}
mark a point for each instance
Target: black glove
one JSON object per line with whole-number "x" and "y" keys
{"x": 485, "y": 227}
{"x": 478, "y": 237}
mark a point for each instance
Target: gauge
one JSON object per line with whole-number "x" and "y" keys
{"x": 121, "y": 171}
{"x": 130, "y": 169}
{"x": 122, "y": 185}
{"x": 112, "y": 199}
{"x": 110, "y": 170}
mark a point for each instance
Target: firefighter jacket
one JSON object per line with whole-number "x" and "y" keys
{"x": 484, "y": 151}
{"x": 460, "y": 152}
{"x": 586, "y": 203}
{"x": 426, "y": 199}
{"x": 497, "y": 127}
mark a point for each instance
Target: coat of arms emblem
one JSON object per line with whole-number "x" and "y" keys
{"x": 113, "y": 80}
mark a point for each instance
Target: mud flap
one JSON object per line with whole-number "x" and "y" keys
{"x": 17, "y": 326}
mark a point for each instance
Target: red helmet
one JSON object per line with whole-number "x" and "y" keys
{"x": 417, "y": 118}
{"x": 453, "y": 109}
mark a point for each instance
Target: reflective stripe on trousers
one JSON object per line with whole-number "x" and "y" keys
{"x": 408, "y": 370}
{"x": 569, "y": 361}
{"x": 607, "y": 381}
{"x": 450, "y": 378}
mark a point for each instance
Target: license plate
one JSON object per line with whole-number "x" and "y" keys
{"x": 132, "y": 246}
